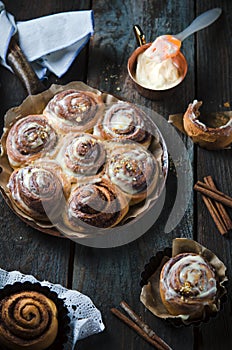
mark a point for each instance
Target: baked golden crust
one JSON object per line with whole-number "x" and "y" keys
{"x": 28, "y": 321}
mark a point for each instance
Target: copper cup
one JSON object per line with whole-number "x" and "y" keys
{"x": 179, "y": 60}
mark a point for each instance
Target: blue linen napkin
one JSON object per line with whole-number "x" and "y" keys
{"x": 50, "y": 42}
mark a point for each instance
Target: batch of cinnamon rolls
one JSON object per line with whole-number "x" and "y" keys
{"x": 80, "y": 161}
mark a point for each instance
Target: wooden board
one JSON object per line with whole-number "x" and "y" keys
{"x": 111, "y": 275}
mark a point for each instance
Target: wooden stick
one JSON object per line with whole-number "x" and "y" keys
{"x": 22, "y": 68}
{"x": 212, "y": 193}
{"x": 222, "y": 211}
{"x": 137, "y": 329}
{"x": 143, "y": 325}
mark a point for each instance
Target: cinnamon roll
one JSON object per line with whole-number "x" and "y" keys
{"x": 133, "y": 169}
{"x": 124, "y": 121}
{"x": 82, "y": 155}
{"x": 188, "y": 284}
{"x": 74, "y": 110}
{"x": 98, "y": 204}
{"x": 28, "y": 321}
{"x": 38, "y": 191}
{"x": 30, "y": 138}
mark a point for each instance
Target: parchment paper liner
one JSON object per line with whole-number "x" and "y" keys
{"x": 177, "y": 121}
{"x": 150, "y": 295}
{"x": 63, "y": 318}
{"x": 35, "y": 104}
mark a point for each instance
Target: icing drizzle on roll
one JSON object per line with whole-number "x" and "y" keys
{"x": 30, "y": 138}
{"x": 191, "y": 277}
{"x": 82, "y": 154}
{"x": 187, "y": 284}
{"x": 37, "y": 191}
{"x": 132, "y": 168}
{"x": 126, "y": 122}
{"x": 74, "y": 110}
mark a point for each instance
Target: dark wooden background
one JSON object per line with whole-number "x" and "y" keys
{"x": 110, "y": 275}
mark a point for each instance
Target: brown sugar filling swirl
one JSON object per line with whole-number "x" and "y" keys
{"x": 36, "y": 191}
{"x": 84, "y": 155}
{"x": 124, "y": 121}
{"x": 187, "y": 284}
{"x": 74, "y": 110}
{"x": 28, "y": 320}
{"x": 30, "y": 138}
{"x": 98, "y": 204}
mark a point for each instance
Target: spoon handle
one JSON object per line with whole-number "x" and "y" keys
{"x": 200, "y": 22}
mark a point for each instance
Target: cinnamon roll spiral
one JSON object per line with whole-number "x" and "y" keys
{"x": 188, "y": 284}
{"x": 38, "y": 191}
{"x": 28, "y": 321}
{"x": 30, "y": 138}
{"x": 82, "y": 154}
{"x": 98, "y": 204}
{"x": 124, "y": 121}
{"x": 73, "y": 110}
{"x": 133, "y": 169}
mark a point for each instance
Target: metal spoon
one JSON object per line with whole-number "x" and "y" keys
{"x": 200, "y": 22}
{"x": 166, "y": 46}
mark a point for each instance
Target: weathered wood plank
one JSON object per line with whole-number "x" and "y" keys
{"x": 214, "y": 89}
{"x": 108, "y": 276}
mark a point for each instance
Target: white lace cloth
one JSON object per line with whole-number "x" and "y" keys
{"x": 85, "y": 318}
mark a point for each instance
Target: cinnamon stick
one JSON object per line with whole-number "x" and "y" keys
{"x": 222, "y": 211}
{"x": 213, "y": 193}
{"x": 137, "y": 329}
{"x": 143, "y": 325}
{"x": 215, "y": 215}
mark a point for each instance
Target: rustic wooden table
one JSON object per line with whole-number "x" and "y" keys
{"x": 111, "y": 275}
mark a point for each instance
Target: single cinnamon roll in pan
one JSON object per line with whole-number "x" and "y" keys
{"x": 188, "y": 284}
{"x": 132, "y": 168}
{"x": 28, "y": 321}
{"x": 82, "y": 155}
{"x": 39, "y": 190}
{"x": 124, "y": 121}
{"x": 30, "y": 138}
{"x": 98, "y": 203}
{"x": 74, "y": 110}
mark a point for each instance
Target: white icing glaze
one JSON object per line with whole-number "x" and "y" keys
{"x": 132, "y": 159}
{"x": 192, "y": 271}
{"x": 76, "y": 163}
{"x": 35, "y": 138}
{"x": 121, "y": 120}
